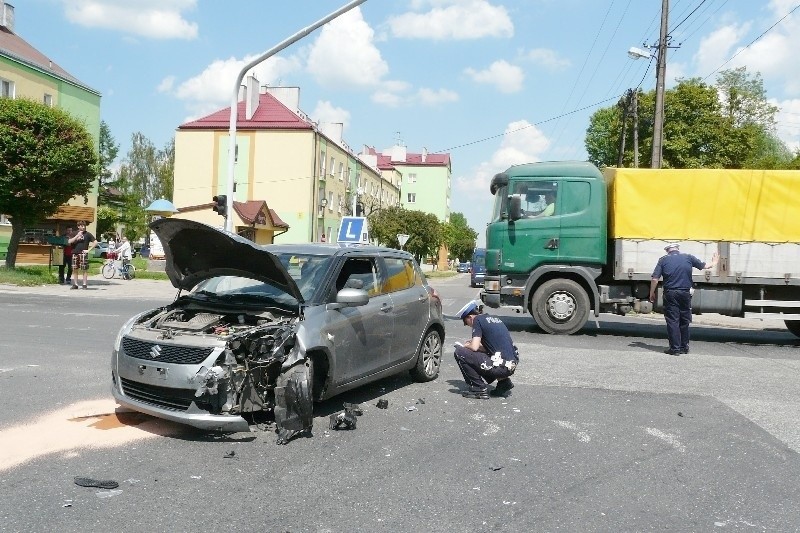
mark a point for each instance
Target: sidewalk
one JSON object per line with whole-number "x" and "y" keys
{"x": 99, "y": 287}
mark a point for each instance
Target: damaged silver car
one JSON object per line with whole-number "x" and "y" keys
{"x": 272, "y": 328}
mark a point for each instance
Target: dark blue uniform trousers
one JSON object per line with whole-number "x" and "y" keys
{"x": 477, "y": 369}
{"x": 678, "y": 314}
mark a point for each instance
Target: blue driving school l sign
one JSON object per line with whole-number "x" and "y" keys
{"x": 353, "y": 230}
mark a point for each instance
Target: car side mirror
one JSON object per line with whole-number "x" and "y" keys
{"x": 514, "y": 207}
{"x": 349, "y": 297}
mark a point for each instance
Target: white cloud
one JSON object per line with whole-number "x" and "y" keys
{"x": 507, "y": 78}
{"x": 788, "y": 122}
{"x": 212, "y": 89}
{"x": 327, "y": 112}
{"x": 153, "y": 19}
{"x": 718, "y": 47}
{"x": 522, "y": 142}
{"x": 452, "y": 19}
{"x": 547, "y": 58}
{"x": 432, "y": 97}
{"x": 166, "y": 84}
{"x": 345, "y": 55}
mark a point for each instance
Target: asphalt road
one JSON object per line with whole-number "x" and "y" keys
{"x": 603, "y": 432}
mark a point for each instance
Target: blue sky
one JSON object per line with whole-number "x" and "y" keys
{"x": 492, "y": 82}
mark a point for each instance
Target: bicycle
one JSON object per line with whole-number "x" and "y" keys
{"x": 111, "y": 269}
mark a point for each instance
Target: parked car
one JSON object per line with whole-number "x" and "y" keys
{"x": 272, "y": 328}
{"x": 477, "y": 270}
{"x": 101, "y": 250}
{"x": 462, "y": 267}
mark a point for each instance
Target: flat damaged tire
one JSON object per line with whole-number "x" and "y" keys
{"x": 560, "y": 306}
{"x": 429, "y": 358}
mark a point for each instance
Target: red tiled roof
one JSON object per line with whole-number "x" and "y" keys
{"x": 385, "y": 161}
{"x": 248, "y": 211}
{"x": 15, "y": 47}
{"x": 271, "y": 114}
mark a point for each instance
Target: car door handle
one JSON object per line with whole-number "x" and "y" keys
{"x": 552, "y": 244}
{"x": 386, "y": 308}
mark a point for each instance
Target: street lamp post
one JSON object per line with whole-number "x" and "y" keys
{"x": 235, "y": 98}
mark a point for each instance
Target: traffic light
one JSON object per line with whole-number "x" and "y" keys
{"x": 221, "y": 204}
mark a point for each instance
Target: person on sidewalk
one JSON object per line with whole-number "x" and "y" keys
{"x": 82, "y": 243}
{"x": 489, "y": 355}
{"x": 67, "y": 263}
{"x": 676, "y": 269}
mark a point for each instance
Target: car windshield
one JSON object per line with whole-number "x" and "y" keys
{"x": 306, "y": 270}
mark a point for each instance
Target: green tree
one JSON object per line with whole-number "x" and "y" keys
{"x": 145, "y": 175}
{"x": 424, "y": 230}
{"x": 108, "y": 154}
{"x": 458, "y": 236}
{"x": 46, "y": 158}
{"x": 728, "y": 125}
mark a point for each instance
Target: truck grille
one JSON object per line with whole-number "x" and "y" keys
{"x": 164, "y": 353}
{"x": 173, "y": 399}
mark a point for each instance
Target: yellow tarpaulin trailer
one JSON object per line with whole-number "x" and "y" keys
{"x": 704, "y": 204}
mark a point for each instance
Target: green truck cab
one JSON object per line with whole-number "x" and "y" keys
{"x": 546, "y": 260}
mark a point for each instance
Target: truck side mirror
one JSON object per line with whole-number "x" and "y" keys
{"x": 514, "y": 207}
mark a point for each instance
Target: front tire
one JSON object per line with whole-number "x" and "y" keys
{"x": 429, "y": 358}
{"x": 793, "y": 326}
{"x": 560, "y": 306}
{"x": 108, "y": 271}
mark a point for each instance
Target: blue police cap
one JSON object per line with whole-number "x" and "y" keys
{"x": 467, "y": 309}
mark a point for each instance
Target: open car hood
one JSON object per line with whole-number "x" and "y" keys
{"x": 195, "y": 252}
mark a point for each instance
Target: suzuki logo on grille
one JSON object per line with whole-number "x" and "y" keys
{"x": 155, "y": 351}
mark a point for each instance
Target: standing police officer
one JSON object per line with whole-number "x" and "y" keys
{"x": 489, "y": 355}
{"x": 676, "y": 269}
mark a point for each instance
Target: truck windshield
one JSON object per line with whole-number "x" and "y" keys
{"x": 500, "y": 204}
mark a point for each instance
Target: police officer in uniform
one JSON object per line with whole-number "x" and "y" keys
{"x": 488, "y": 356}
{"x": 676, "y": 269}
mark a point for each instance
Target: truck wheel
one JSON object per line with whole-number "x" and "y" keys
{"x": 793, "y": 326}
{"x": 560, "y": 306}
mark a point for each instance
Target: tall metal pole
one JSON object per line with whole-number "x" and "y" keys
{"x": 661, "y": 69}
{"x": 235, "y": 97}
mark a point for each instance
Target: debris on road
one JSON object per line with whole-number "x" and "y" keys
{"x": 355, "y": 408}
{"x": 382, "y": 404}
{"x": 96, "y": 483}
{"x": 343, "y": 420}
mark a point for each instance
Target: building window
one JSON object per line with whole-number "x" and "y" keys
{"x": 341, "y": 171}
{"x": 322, "y": 163}
{"x": 412, "y": 178}
{"x": 6, "y": 88}
{"x": 333, "y": 165}
{"x": 330, "y": 201}
{"x": 4, "y": 220}
{"x": 48, "y": 100}
{"x": 412, "y": 197}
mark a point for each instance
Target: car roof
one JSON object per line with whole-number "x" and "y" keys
{"x": 334, "y": 249}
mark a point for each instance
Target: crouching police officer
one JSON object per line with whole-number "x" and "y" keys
{"x": 489, "y": 355}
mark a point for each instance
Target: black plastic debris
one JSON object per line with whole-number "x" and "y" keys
{"x": 97, "y": 483}
{"x": 680, "y": 414}
{"x": 382, "y": 404}
{"x": 231, "y": 455}
{"x": 343, "y": 420}
{"x": 294, "y": 407}
{"x": 421, "y": 401}
{"x": 354, "y": 408}
{"x": 496, "y": 468}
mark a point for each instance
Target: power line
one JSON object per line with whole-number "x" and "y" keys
{"x": 678, "y": 25}
{"x": 753, "y": 41}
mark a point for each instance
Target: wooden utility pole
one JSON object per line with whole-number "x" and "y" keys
{"x": 661, "y": 69}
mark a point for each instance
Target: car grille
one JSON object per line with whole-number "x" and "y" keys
{"x": 164, "y": 353}
{"x": 173, "y": 399}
